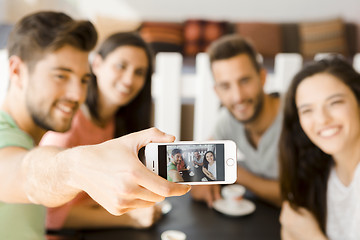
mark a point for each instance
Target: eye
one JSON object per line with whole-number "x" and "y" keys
{"x": 336, "y": 102}
{"x": 223, "y": 87}
{"x": 140, "y": 72}
{"x": 304, "y": 111}
{"x": 85, "y": 80}
{"x": 60, "y": 77}
{"x": 120, "y": 66}
{"x": 244, "y": 80}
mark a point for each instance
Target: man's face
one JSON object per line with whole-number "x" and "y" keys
{"x": 239, "y": 86}
{"x": 177, "y": 158}
{"x": 56, "y": 87}
{"x": 197, "y": 155}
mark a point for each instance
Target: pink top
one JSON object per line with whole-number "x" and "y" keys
{"x": 82, "y": 132}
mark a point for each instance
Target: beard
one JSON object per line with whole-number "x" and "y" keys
{"x": 44, "y": 119}
{"x": 258, "y": 106}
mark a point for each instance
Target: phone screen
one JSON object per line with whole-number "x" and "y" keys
{"x": 191, "y": 162}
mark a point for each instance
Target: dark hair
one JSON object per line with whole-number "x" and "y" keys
{"x": 135, "y": 116}
{"x": 39, "y": 33}
{"x": 230, "y": 46}
{"x": 305, "y": 168}
{"x": 176, "y": 151}
{"x": 206, "y": 163}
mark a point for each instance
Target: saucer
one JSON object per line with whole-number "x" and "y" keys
{"x": 244, "y": 207}
{"x": 165, "y": 206}
{"x": 173, "y": 235}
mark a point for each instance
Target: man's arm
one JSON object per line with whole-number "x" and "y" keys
{"x": 110, "y": 173}
{"x": 267, "y": 189}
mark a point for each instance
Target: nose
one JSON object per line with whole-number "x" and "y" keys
{"x": 322, "y": 115}
{"x": 237, "y": 94}
{"x": 128, "y": 77}
{"x": 76, "y": 91}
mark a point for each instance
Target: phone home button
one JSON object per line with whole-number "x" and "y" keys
{"x": 230, "y": 162}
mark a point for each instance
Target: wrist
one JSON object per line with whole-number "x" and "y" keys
{"x": 67, "y": 166}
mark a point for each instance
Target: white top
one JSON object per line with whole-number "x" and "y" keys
{"x": 343, "y": 208}
{"x": 212, "y": 169}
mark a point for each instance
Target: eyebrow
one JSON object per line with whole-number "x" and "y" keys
{"x": 88, "y": 74}
{"x": 327, "y": 99}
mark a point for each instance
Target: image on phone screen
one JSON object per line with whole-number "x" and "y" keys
{"x": 192, "y": 162}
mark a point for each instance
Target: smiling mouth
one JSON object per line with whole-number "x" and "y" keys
{"x": 240, "y": 107}
{"x": 68, "y": 109}
{"x": 123, "y": 90}
{"x": 329, "y": 132}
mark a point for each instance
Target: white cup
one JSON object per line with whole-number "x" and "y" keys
{"x": 173, "y": 235}
{"x": 233, "y": 193}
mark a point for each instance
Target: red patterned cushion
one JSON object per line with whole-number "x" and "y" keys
{"x": 198, "y": 34}
{"x": 163, "y": 36}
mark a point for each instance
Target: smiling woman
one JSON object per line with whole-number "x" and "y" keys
{"x": 320, "y": 153}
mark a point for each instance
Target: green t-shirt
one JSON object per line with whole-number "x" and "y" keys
{"x": 170, "y": 166}
{"x": 19, "y": 221}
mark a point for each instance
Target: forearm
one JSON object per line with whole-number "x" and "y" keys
{"x": 46, "y": 174}
{"x": 266, "y": 189}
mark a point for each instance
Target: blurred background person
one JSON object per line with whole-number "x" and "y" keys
{"x": 250, "y": 117}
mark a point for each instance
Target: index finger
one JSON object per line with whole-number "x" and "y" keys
{"x": 161, "y": 186}
{"x": 144, "y": 137}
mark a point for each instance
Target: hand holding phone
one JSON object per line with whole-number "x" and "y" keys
{"x": 194, "y": 163}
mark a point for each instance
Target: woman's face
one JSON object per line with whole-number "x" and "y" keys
{"x": 122, "y": 74}
{"x": 209, "y": 157}
{"x": 328, "y": 113}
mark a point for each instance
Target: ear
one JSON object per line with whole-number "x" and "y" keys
{"x": 263, "y": 74}
{"x": 96, "y": 63}
{"x": 16, "y": 68}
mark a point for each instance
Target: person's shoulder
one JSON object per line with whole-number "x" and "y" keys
{"x": 11, "y": 135}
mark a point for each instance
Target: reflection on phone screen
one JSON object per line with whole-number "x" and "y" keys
{"x": 192, "y": 162}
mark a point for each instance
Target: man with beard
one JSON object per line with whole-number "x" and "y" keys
{"x": 249, "y": 117}
{"x": 49, "y": 72}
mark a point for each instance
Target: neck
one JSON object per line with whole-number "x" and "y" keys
{"x": 18, "y": 111}
{"x": 266, "y": 117}
{"x": 346, "y": 162}
{"x": 106, "y": 111}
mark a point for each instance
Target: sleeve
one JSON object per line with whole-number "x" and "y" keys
{"x": 14, "y": 137}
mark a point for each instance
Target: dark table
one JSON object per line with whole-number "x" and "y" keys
{"x": 199, "y": 222}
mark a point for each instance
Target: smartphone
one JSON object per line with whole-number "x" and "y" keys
{"x": 194, "y": 163}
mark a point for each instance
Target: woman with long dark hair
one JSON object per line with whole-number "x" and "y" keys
{"x": 118, "y": 102}
{"x": 209, "y": 168}
{"x": 320, "y": 153}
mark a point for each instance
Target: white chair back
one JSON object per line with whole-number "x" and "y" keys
{"x": 167, "y": 91}
{"x": 4, "y": 74}
{"x": 206, "y": 101}
{"x": 356, "y": 62}
{"x": 285, "y": 67}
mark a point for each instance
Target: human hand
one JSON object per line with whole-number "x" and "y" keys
{"x": 299, "y": 224}
{"x": 113, "y": 176}
{"x": 206, "y": 193}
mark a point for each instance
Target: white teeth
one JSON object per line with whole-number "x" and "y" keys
{"x": 329, "y": 132}
{"x": 65, "y": 108}
{"x": 240, "y": 107}
{"x": 123, "y": 89}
